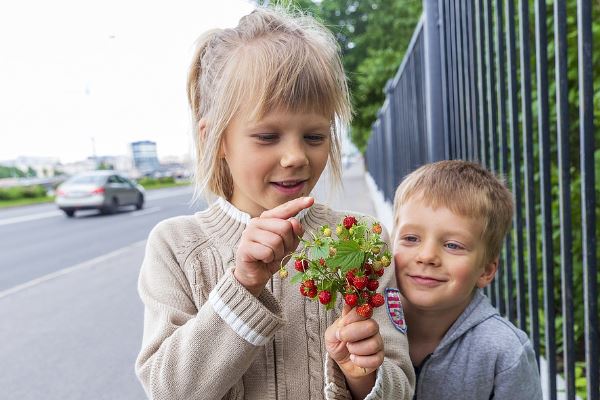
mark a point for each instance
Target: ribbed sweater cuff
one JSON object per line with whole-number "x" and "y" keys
{"x": 254, "y": 319}
{"x": 335, "y": 383}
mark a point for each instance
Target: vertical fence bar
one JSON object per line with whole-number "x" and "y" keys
{"x": 534, "y": 330}
{"x": 473, "y": 82}
{"x": 541, "y": 46}
{"x": 461, "y": 84}
{"x": 588, "y": 201}
{"x": 515, "y": 152}
{"x": 482, "y": 79}
{"x": 467, "y": 79}
{"x": 445, "y": 81}
{"x": 491, "y": 84}
{"x": 501, "y": 88}
{"x": 566, "y": 240}
{"x": 433, "y": 82}
{"x": 453, "y": 91}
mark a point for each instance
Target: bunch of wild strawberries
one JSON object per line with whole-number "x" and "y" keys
{"x": 349, "y": 264}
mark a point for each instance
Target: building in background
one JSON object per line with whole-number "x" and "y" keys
{"x": 145, "y": 159}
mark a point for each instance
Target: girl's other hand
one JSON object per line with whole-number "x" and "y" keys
{"x": 266, "y": 241}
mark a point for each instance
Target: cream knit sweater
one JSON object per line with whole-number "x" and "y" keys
{"x": 207, "y": 337}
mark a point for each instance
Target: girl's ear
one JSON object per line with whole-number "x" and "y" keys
{"x": 202, "y": 128}
{"x": 488, "y": 273}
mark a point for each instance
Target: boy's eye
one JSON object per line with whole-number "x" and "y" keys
{"x": 454, "y": 246}
{"x": 410, "y": 238}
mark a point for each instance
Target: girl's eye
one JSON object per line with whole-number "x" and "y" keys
{"x": 266, "y": 137}
{"x": 314, "y": 139}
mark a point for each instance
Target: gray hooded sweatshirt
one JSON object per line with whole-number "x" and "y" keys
{"x": 482, "y": 356}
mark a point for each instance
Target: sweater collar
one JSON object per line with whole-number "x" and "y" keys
{"x": 243, "y": 217}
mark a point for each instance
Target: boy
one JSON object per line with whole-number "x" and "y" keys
{"x": 450, "y": 220}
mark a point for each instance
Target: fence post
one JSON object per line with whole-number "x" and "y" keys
{"x": 436, "y": 138}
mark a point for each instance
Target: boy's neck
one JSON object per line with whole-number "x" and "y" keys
{"x": 426, "y": 329}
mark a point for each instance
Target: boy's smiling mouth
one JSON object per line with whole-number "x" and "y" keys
{"x": 424, "y": 280}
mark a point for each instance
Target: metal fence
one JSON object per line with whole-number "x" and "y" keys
{"x": 470, "y": 87}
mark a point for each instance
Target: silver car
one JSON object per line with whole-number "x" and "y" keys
{"x": 101, "y": 190}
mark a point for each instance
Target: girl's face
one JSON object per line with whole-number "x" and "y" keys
{"x": 275, "y": 159}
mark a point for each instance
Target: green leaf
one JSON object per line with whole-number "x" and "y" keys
{"x": 348, "y": 256}
{"x": 299, "y": 277}
{"x": 318, "y": 252}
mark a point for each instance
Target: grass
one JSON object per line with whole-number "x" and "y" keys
{"x": 49, "y": 199}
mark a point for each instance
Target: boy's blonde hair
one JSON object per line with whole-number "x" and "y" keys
{"x": 274, "y": 59}
{"x": 467, "y": 189}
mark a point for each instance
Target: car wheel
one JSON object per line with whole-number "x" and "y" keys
{"x": 112, "y": 208}
{"x": 140, "y": 202}
{"x": 69, "y": 213}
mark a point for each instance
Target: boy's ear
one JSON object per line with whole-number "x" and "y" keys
{"x": 488, "y": 273}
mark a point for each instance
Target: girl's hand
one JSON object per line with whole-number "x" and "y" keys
{"x": 266, "y": 241}
{"x": 355, "y": 344}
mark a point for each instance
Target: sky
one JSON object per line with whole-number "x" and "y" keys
{"x": 78, "y": 76}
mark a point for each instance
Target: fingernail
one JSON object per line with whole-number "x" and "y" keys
{"x": 352, "y": 357}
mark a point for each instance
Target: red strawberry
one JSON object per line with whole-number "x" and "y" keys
{"x": 380, "y": 272}
{"x": 368, "y": 268}
{"x": 377, "y": 300}
{"x": 303, "y": 290}
{"x": 312, "y": 292}
{"x": 324, "y": 296}
{"x": 301, "y": 265}
{"x": 349, "y": 222}
{"x": 365, "y": 296}
{"x": 322, "y": 261}
{"x": 350, "y": 277}
{"x": 351, "y": 299}
{"x": 309, "y": 283}
{"x": 365, "y": 311}
{"x": 372, "y": 285}
{"x": 360, "y": 282}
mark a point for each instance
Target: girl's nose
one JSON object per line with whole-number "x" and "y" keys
{"x": 294, "y": 155}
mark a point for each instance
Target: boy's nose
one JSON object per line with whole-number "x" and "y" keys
{"x": 427, "y": 255}
{"x": 294, "y": 155}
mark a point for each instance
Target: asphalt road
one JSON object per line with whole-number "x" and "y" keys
{"x": 71, "y": 318}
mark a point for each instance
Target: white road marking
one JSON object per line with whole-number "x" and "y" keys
{"x": 146, "y": 211}
{"x": 31, "y": 217}
{"x": 68, "y": 270}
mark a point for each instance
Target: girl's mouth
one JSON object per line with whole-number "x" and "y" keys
{"x": 289, "y": 188}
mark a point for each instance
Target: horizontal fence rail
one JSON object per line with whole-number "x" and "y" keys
{"x": 510, "y": 84}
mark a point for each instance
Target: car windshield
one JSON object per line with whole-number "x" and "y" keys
{"x": 87, "y": 180}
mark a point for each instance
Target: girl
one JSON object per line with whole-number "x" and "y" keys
{"x": 266, "y": 98}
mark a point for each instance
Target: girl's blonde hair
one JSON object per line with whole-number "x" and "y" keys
{"x": 274, "y": 59}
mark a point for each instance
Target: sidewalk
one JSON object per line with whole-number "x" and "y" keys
{"x": 353, "y": 196}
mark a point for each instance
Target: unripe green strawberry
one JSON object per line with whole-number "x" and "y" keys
{"x": 377, "y": 265}
{"x": 385, "y": 261}
{"x": 327, "y": 232}
{"x": 325, "y": 297}
{"x": 351, "y": 299}
{"x": 349, "y": 221}
{"x": 332, "y": 251}
{"x": 283, "y": 273}
{"x": 376, "y": 229}
{"x": 365, "y": 311}
{"x": 301, "y": 265}
{"x": 375, "y": 249}
{"x": 372, "y": 285}
{"x": 338, "y": 230}
{"x": 360, "y": 282}
{"x": 376, "y": 300}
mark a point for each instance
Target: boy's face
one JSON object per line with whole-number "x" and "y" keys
{"x": 439, "y": 257}
{"x": 276, "y": 159}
